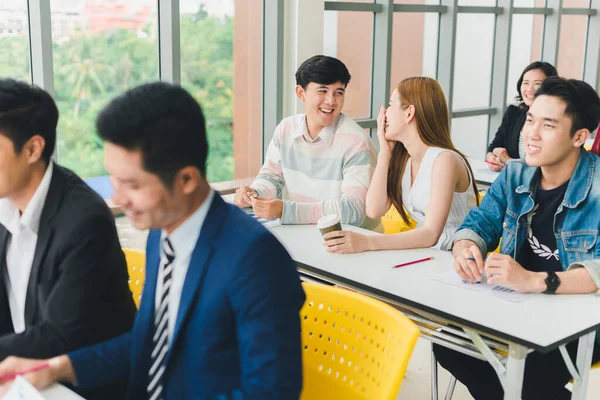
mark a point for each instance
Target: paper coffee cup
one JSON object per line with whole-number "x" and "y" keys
{"x": 329, "y": 223}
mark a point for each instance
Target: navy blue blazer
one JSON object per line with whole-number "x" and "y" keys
{"x": 237, "y": 333}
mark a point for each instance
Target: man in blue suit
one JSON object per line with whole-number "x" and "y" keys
{"x": 219, "y": 317}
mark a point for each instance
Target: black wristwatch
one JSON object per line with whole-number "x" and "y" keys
{"x": 552, "y": 282}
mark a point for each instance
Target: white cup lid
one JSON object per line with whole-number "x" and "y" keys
{"x": 327, "y": 221}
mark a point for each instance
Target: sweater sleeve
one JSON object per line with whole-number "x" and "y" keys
{"x": 270, "y": 181}
{"x": 357, "y": 172}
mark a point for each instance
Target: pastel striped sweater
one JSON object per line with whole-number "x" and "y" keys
{"x": 327, "y": 175}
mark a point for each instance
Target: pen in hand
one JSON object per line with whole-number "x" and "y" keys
{"x": 494, "y": 164}
{"x": 9, "y": 377}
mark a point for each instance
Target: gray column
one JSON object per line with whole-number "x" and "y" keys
{"x": 591, "y": 71}
{"x": 40, "y": 44}
{"x": 446, "y": 49}
{"x": 382, "y": 59}
{"x": 169, "y": 54}
{"x": 273, "y": 31}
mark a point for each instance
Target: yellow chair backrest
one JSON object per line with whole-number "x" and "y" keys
{"x": 393, "y": 223}
{"x": 353, "y": 346}
{"x": 136, "y": 265}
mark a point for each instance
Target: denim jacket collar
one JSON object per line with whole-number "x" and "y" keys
{"x": 581, "y": 179}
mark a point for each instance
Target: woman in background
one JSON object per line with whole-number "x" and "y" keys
{"x": 419, "y": 171}
{"x": 508, "y": 142}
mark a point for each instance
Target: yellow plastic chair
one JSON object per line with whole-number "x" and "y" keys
{"x": 393, "y": 223}
{"x": 136, "y": 264}
{"x": 354, "y": 347}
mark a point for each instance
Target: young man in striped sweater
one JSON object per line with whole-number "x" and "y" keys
{"x": 317, "y": 163}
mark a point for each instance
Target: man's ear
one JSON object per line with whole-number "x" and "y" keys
{"x": 300, "y": 92}
{"x": 34, "y": 148}
{"x": 188, "y": 179}
{"x": 580, "y": 137}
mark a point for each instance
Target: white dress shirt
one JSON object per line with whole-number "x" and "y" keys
{"x": 183, "y": 239}
{"x": 21, "y": 245}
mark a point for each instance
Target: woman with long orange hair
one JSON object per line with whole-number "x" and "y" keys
{"x": 419, "y": 171}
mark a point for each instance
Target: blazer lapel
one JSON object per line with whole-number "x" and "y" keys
{"x": 51, "y": 206}
{"x": 144, "y": 321}
{"x": 3, "y": 295}
{"x": 31, "y": 303}
{"x": 199, "y": 264}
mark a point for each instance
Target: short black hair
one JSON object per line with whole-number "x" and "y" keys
{"x": 583, "y": 103}
{"x": 324, "y": 70}
{"x": 548, "y": 70}
{"x": 164, "y": 122}
{"x": 27, "y": 111}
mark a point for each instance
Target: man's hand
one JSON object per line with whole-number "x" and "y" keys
{"x": 345, "y": 242}
{"x": 267, "y": 208}
{"x": 59, "y": 369}
{"x": 243, "y": 196}
{"x": 502, "y": 269}
{"x": 468, "y": 261}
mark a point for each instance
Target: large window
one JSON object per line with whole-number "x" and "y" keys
{"x": 221, "y": 53}
{"x": 476, "y": 55}
{"x": 100, "y": 49}
{"x": 14, "y": 43}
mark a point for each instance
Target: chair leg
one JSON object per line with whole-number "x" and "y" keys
{"x": 451, "y": 386}
{"x": 434, "y": 376}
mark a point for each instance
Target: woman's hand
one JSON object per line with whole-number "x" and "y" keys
{"x": 346, "y": 242}
{"x": 502, "y": 154}
{"x": 493, "y": 162}
{"x": 385, "y": 146}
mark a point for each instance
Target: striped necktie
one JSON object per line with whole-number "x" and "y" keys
{"x": 160, "y": 340}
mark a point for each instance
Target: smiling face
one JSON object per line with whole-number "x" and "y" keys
{"x": 547, "y": 133}
{"x": 146, "y": 201}
{"x": 322, "y": 103}
{"x": 532, "y": 80}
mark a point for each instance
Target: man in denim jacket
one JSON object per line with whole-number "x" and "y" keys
{"x": 547, "y": 212}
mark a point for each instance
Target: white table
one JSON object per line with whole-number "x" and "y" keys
{"x": 542, "y": 323}
{"x": 59, "y": 392}
{"x": 483, "y": 174}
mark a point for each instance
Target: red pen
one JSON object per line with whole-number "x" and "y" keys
{"x": 9, "y": 377}
{"x": 494, "y": 164}
{"x": 413, "y": 262}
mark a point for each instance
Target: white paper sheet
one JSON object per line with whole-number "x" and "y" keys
{"x": 22, "y": 390}
{"x": 451, "y": 278}
{"x": 487, "y": 171}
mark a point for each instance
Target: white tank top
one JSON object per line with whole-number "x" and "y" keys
{"x": 416, "y": 198}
